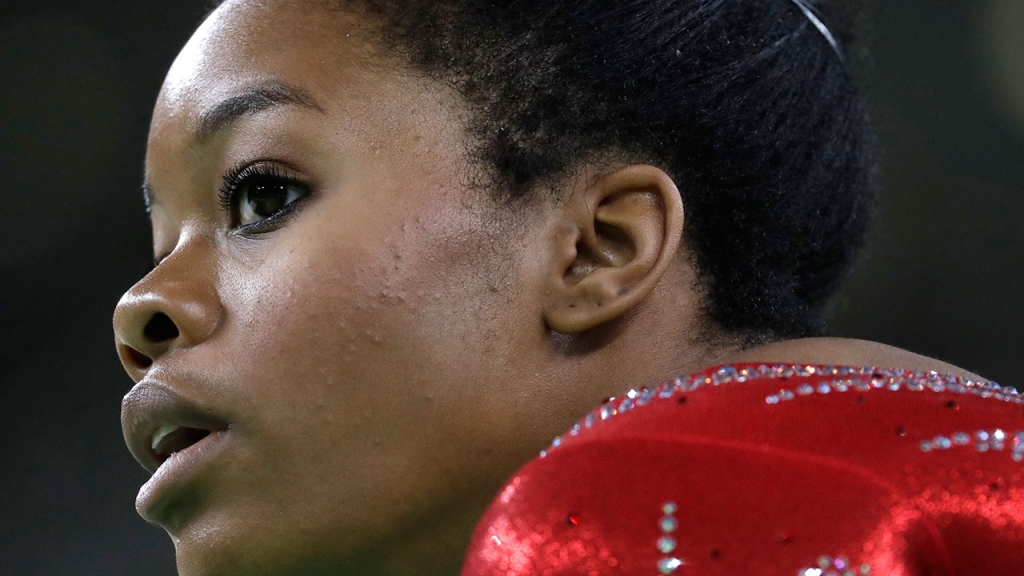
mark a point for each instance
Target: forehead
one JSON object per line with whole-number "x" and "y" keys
{"x": 245, "y": 42}
{"x": 367, "y": 115}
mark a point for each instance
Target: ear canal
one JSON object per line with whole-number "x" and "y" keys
{"x": 629, "y": 224}
{"x": 602, "y": 246}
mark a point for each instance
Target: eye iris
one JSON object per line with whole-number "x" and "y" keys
{"x": 266, "y": 197}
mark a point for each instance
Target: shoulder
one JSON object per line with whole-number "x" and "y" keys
{"x": 768, "y": 469}
{"x": 846, "y": 352}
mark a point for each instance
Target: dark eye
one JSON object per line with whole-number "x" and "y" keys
{"x": 259, "y": 194}
{"x": 262, "y": 197}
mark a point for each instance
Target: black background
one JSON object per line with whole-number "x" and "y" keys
{"x": 77, "y": 84}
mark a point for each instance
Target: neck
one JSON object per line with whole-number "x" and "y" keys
{"x": 842, "y": 352}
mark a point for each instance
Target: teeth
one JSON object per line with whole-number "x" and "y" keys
{"x": 162, "y": 433}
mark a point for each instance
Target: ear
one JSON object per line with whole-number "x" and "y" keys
{"x": 617, "y": 237}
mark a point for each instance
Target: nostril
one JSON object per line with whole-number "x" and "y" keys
{"x": 136, "y": 358}
{"x": 160, "y": 328}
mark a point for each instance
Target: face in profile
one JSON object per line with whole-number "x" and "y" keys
{"x": 350, "y": 340}
{"x": 324, "y": 349}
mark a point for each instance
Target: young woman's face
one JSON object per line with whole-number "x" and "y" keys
{"x": 341, "y": 315}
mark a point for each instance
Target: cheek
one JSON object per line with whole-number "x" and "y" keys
{"x": 357, "y": 357}
{"x": 319, "y": 363}
{"x": 315, "y": 331}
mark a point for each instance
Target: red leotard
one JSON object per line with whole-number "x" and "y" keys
{"x": 773, "y": 470}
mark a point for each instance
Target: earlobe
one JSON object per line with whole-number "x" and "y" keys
{"x": 626, "y": 227}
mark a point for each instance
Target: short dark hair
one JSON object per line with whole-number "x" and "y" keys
{"x": 743, "y": 102}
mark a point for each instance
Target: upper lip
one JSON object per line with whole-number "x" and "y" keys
{"x": 151, "y": 405}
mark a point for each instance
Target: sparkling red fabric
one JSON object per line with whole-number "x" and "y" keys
{"x": 773, "y": 470}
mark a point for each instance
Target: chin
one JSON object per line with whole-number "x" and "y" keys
{"x": 214, "y": 558}
{"x": 206, "y": 548}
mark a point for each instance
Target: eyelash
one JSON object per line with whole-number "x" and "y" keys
{"x": 240, "y": 175}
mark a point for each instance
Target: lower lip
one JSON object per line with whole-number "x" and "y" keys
{"x": 175, "y": 473}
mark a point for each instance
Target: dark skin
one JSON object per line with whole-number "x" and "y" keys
{"x": 375, "y": 349}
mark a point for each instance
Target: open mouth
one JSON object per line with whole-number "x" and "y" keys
{"x": 158, "y": 423}
{"x": 169, "y": 440}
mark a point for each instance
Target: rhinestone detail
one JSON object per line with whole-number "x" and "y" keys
{"x": 667, "y": 544}
{"x": 838, "y": 566}
{"x": 896, "y": 380}
{"x": 984, "y": 441}
{"x": 842, "y": 379}
{"x": 668, "y": 524}
{"x": 669, "y": 565}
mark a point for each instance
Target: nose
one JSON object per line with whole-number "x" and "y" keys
{"x": 176, "y": 306}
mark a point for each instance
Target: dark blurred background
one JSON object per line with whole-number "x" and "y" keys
{"x": 943, "y": 274}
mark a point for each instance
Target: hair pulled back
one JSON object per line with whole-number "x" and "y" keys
{"x": 743, "y": 102}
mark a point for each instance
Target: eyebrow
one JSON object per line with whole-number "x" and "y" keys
{"x": 252, "y": 100}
